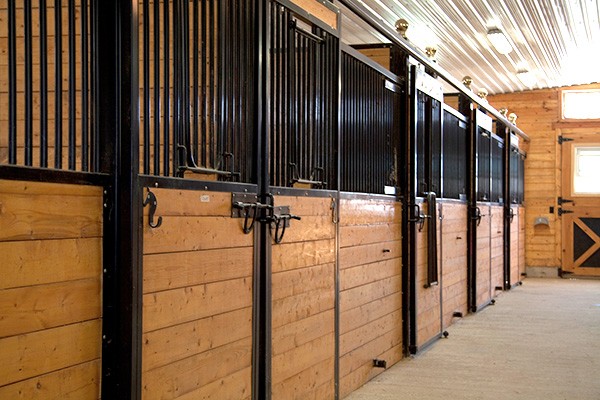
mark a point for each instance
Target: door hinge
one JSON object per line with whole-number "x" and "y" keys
{"x": 561, "y": 212}
{"x": 562, "y": 201}
{"x": 562, "y": 139}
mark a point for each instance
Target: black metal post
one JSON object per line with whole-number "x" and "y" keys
{"x": 116, "y": 47}
{"x": 471, "y": 215}
{"x": 28, "y": 82}
{"x": 503, "y": 132}
{"x": 261, "y": 355}
{"x": 58, "y": 85}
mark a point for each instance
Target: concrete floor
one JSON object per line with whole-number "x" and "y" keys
{"x": 540, "y": 341}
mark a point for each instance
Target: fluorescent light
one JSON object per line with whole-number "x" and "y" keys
{"x": 527, "y": 78}
{"x": 499, "y": 41}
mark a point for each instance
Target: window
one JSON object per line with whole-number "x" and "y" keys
{"x": 581, "y": 104}
{"x": 585, "y": 171}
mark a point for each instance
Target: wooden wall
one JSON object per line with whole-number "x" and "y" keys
{"x": 453, "y": 254}
{"x": 50, "y": 291}
{"x": 370, "y": 289}
{"x": 496, "y": 247}
{"x": 484, "y": 254}
{"x": 429, "y": 322}
{"x": 197, "y": 302}
{"x": 539, "y": 115}
{"x": 303, "y": 289}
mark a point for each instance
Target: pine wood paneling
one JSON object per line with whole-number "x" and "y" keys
{"x": 540, "y": 117}
{"x": 197, "y": 302}
{"x": 303, "y": 288}
{"x": 453, "y": 254}
{"x": 50, "y": 290}
{"x": 370, "y": 289}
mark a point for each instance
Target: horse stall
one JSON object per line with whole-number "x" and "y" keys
{"x": 453, "y": 216}
{"x": 485, "y": 216}
{"x": 198, "y": 235}
{"x": 302, "y": 120}
{"x": 515, "y": 158}
{"x": 423, "y": 160}
{"x": 370, "y": 234}
{"x": 52, "y": 230}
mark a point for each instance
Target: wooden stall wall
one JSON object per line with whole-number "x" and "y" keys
{"x": 496, "y": 248}
{"x": 539, "y": 115}
{"x": 370, "y": 288}
{"x": 428, "y": 309}
{"x": 453, "y": 256}
{"x": 303, "y": 290}
{"x": 197, "y": 301}
{"x": 484, "y": 256}
{"x": 50, "y": 290}
{"x": 516, "y": 240}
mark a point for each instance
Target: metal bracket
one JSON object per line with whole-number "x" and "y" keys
{"x": 244, "y": 205}
{"x": 152, "y": 202}
{"x": 561, "y": 211}
{"x": 562, "y": 139}
{"x": 280, "y": 221}
{"x": 562, "y": 201}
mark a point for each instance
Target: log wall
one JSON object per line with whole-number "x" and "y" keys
{"x": 50, "y": 291}
{"x": 303, "y": 288}
{"x": 370, "y": 289}
{"x": 197, "y": 301}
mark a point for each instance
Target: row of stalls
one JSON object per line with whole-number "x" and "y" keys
{"x": 229, "y": 201}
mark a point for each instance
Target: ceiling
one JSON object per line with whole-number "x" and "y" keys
{"x": 558, "y": 41}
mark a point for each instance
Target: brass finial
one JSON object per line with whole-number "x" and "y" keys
{"x": 430, "y": 52}
{"x": 512, "y": 117}
{"x": 402, "y": 27}
{"x": 467, "y": 81}
{"x": 483, "y": 93}
{"x": 503, "y": 112}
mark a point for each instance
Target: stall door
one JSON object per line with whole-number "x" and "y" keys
{"x": 580, "y": 202}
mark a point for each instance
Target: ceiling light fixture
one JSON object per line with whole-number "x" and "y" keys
{"x": 499, "y": 41}
{"x": 527, "y": 78}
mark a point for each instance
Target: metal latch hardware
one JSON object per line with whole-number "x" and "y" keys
{"x": 561, "y": 211}
{"x": 152, "y": 202}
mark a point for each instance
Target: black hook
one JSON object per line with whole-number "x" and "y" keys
{"x": 151, "y": 200}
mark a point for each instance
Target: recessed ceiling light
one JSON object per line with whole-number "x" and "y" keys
{"x": 499, "y": 41}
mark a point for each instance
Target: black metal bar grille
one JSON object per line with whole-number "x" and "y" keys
{"x": 40, "y": 101}
{"x": 483, "y": 165}
{"x": 370, "y": 123}
{"x": 428, "y": 145}
{"x": 497, "y": 149}
{"x": 521, "y": 179}
{"x": 454, "y": 156}
{"x": 303, "y": 94}
{"x": 201, "y": 53}
{"x": 514, "y": 176}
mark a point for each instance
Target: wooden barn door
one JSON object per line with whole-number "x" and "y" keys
{"x": 580, "y": 202}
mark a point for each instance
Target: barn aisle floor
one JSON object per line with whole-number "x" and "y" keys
{"x": 540, "y": 341}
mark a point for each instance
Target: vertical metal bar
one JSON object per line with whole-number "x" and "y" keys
{"x": 176, "y": 85}
{"x": 166, "y": 87}
{"x": 72, "y": 87}
{"x": 94, "y": 134}
{"x": 58, "y": 84}
{"x": 43, "y": 84}
{"x": 262, "y": 296}
{"x": 12, "y": 83}
{"x": 28, "y": 83}
{"x": 146, "y": 100}
{"x": 213, "y": 82}
{"x": 157, "y": 113}
{"x": 195, "y": 80}
{"x": 119, "y": 124}
{"x": 185, "y": 131}
{"x": 203, "y": 81}
{"x": 84, "y": 87}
